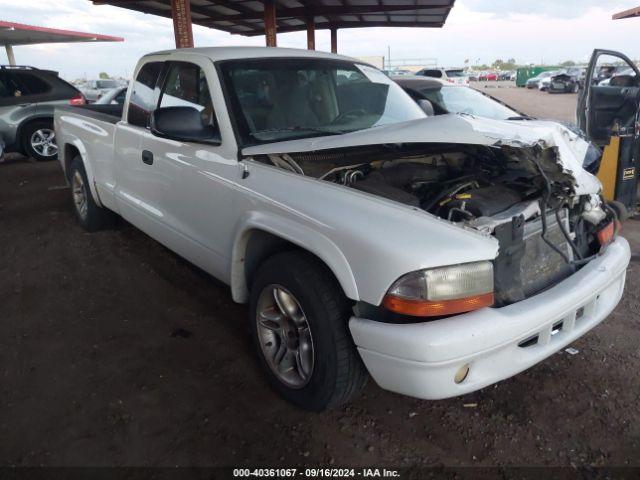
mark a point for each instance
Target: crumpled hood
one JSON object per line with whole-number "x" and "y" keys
{"x": 462, "y": 129}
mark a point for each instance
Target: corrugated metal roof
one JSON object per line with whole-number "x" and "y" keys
{"x": 246, "y": 17}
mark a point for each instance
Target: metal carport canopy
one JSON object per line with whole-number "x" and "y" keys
{"x": 266, "y": 17}
{"x": 12, "y": 34}
{"x": 632, "y": 12}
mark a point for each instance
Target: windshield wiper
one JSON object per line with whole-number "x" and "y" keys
{"x": 298, "y": 129}
{"x": 519, "y": 117}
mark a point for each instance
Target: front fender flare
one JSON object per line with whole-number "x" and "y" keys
{"x": 297, "y": 233}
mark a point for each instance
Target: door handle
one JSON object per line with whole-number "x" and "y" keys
{"x": 147, "y": 157}
{"x": 24, "y": 105}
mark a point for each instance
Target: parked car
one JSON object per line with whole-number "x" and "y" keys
{"x": 564, "y": 81}
{"x": 94, "y": 89}
{"x": 451, "y": 75}
{"x": 398, "y": 72}
{"x": 507, "y": 76}
{"x": 535, "y": 81}
{"x": 445, "y": 98}
{"x": 473, "y": 76}
{"x": 365, "y": 236}
{"x": 491, "y": 77}
{"x": 543, "y": 84}
{"x": 115, "y": 96}
{"x": 27, "y": 100}
{"x": 438, "y": 98}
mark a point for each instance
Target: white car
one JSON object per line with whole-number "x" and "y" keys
{"x": 437, "y": 254}
{"x": 451, "y": 75}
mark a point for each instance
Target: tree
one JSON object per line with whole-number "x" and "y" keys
{"x": 505, "y": 66}
{"x": 568, "y": 63}
{"x": 104, "y": 75}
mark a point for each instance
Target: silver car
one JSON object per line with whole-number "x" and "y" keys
{"x": 95, "y": 89}
{"x": 28, "y": 97}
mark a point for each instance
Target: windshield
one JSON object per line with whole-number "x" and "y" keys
{"x": 280, "y": 99}
{"x": 455, "y": 73}
{"x": 106, "y": 84}
{"x": 467, "y": 100}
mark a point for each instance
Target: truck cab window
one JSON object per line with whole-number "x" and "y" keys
{"x": 144, "y": 95}
{"x": 186, "y": 86}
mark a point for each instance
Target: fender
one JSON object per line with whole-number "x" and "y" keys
{"x": 79, "y": 145}
{"x": 296, "y": 233}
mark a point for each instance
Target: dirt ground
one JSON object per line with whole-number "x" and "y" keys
{"x": 116, "y": 352}
{"x": 532, "y": 102}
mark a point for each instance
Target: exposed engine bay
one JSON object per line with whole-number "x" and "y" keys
{"x": 520, "y": 195}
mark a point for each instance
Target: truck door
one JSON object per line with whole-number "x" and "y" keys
{"x": 190, "y": 185}
{"x": 609, "y": 113}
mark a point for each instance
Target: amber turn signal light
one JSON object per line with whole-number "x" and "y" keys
{"x": 606, "y": 234}
{"x": 427, "y": 308}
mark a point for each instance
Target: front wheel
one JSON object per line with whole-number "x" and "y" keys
{"x": 299, "y": 322}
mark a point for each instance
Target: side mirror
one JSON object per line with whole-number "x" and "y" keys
{"x": 183, "y": 124}
{"x": 427, "y": 107}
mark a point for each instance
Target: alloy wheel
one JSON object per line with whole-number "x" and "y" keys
{"x": 284, "y": 335}
{"x": 78, "y": 189}
{"x": 43, "y": 141}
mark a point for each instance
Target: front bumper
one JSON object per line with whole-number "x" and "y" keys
{"x": 422, "y": 359}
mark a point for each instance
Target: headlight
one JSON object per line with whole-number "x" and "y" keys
{"x": 442, "y": 291}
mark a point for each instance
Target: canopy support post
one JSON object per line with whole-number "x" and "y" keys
{"x": 182, "y": 25}
{"x": 270, "y": 23}
{"x": 311, "y": 33}
{"x": 10, "y": 55}
{"x": 334, "y": 40}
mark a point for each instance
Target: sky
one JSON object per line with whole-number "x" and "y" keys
{"x": 481, "y": 31}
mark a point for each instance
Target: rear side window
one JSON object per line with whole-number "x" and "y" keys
{"x": 32, "y": 84}
{"x": 144, "y": 95}
{"x": 432, "y": 73}
{"x": 7, "y": 89}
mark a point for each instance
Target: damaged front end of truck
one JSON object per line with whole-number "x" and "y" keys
{"x": 521, "y": 182}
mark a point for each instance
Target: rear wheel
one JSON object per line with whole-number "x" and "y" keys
{"x": 89, "y": 214}
{"x": 299, "y": 322}
{"x": 39, "y": 140}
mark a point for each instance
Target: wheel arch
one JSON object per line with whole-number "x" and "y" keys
{"x": 264, "y": 236}
{"x": 19, "y": 144}
{"x": 71, "y": 150}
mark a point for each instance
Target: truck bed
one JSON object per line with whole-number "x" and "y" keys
{"x": 106, "y": 113}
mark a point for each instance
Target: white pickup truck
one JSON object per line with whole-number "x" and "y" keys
{"x": 439, "y": 254}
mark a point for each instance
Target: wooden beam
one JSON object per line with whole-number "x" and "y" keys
{"x": 270, "y": 23}
{"x": 334, "y": 40}
{"x": 311, "y": 33}
{"x": 182, "y": 24}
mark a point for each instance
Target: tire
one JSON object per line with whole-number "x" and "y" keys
{"x": 334, "y": 372}
{"x": 38, "y": 140}
{"x": 87, "y": 212}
